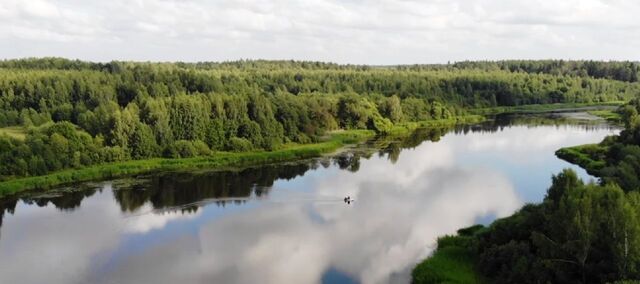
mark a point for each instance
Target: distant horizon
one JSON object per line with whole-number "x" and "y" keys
{"x": 319, "y": 61}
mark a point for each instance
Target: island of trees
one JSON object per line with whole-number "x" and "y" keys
{"x": 58, "y": 114}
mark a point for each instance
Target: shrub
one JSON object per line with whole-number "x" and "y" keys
{"x": 239, "y": 145}
{"x": 181, "y": 149}
{"x": 201, "y": 148}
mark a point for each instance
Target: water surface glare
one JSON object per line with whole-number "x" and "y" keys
{"x": 286, "y": 223}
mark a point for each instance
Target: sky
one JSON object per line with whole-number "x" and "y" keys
{"x": 377, "y": 32}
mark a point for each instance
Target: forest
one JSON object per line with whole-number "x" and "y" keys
{"x": 60, "y": 114}
{"x": 580, "y": 233}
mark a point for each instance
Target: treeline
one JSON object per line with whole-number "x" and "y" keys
{"x": 581, "y": 233}
{"x": 81, "y": 113}
{"x": 626, "y": 71}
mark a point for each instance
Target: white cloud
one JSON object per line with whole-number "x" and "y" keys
{"x": 374, "y": 32}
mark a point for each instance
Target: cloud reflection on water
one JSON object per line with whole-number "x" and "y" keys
{"x": 297, "y": 230}
{"x": 399, "y": 209}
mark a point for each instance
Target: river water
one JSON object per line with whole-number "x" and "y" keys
{"x": 288, "y": 223}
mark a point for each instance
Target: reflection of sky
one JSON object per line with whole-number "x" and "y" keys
{"x": 301, "y": 232}
{"x": 525, "y": 154}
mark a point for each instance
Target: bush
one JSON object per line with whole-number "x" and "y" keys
{"x": 181, "y": 149}
{"x": 239, "y": 145}
{"x": 113, "y": 154}
{"x": 380, "y": 124}
{"x": 471, "y": 231}
{"x": 201, "y": 148}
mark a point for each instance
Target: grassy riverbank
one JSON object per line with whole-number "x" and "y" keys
{"x": 590, "y": 157}
{"x": 219, "y": 160}
{"x": 609, "y": 115}
{"x": 452, "y": 261}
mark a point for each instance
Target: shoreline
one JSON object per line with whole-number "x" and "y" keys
{"x": 334, "y": 141}
{"x": 218, "y": 160}
{"x": 454, "y": 256}
{"x": 222, "y": 160}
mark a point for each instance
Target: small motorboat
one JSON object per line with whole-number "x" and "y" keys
{"x": 348, "y": 199}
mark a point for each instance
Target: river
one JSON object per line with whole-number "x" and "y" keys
{"x": 288, "y": 223}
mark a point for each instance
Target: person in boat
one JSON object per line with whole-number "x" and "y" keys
{"x": 348, "y": 199}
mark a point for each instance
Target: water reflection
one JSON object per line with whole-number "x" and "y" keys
{"x": 186, "y": 190}
{"x": 286, "y": 223}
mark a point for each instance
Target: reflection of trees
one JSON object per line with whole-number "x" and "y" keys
{"x": 348, "y": 161}
{"x": 186, "y": 189}
{"x": 393, "y": 148}
{"x": 67, "y": 201}
{"x": 8, "y": 205}
{"x": 500, "y": 122}
{"x": 63, "y": 200}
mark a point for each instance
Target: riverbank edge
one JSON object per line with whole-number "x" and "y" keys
{"x": 453, "y": 259}
{"x": 590, "y": 157}
{"x": 219, "y": 160}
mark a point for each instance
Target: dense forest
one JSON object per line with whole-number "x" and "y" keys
{"x": 57, "y": 114}
{"x": 621, "y": 71}
{"x": 580, "y": 233}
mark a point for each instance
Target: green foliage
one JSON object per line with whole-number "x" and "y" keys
{"x": 622, "y": 71}
{"x": 391, "y": 108}
{"x": 239, "y": 145}
{"x": 590, "y": 157}
{"x": 219, "y": 160}
{"x": 142, "y": 109}
{"x": 452, "y": 262}
{"x": 14, "y": 132}
{"x": 609, "y": 115}
{"x": 581, "y": 233}
{"x": 143, "y": 143}
{"x": 617, "y": 158}
{"x": 181, "y": 149}
{"x": 202, "y": 149}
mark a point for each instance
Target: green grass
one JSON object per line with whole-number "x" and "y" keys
{"x": 609, "y": 115}
{"x": 219, "y": 160}
{"x": 350, "y": 136}
{"x": 590, "y": 157}
{"x": 452, "y": 262}
{"x": 16, "y": 132}
{"x": 541, "y": 108}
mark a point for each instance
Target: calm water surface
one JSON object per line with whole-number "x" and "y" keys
{"x": 288, "y": 223}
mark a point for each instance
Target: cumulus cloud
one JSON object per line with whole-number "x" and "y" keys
{"x": 371, "y": 32}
